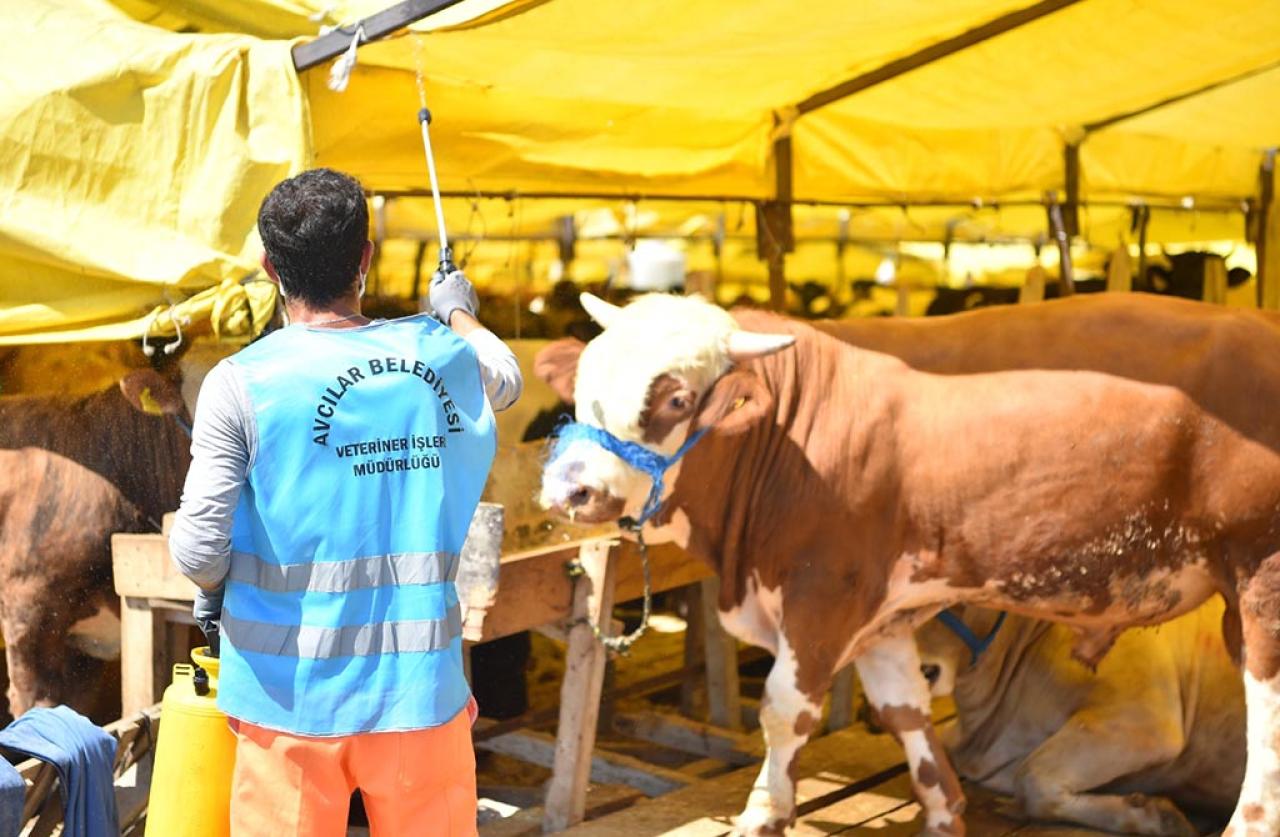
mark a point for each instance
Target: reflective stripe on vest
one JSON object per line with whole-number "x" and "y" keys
{"x": 311, "y": 642}
{"x": 344, "y": 576}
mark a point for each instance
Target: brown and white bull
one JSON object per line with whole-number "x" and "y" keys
{"x": 73, "y": 470}
{"x": 844, "y": 496}
{"x": 1159, "y": 723}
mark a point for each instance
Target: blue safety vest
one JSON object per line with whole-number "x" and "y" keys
{"x": 374, "y": 444}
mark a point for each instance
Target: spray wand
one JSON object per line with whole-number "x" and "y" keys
{"x": 446, "y": 253}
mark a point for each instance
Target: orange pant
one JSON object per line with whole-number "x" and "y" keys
{"x": 413, "y": 783}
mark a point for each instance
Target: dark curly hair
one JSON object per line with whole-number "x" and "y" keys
{"x": 314, "y": 227}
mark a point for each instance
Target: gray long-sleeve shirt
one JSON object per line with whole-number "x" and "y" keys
{"x": 224, "y": 444}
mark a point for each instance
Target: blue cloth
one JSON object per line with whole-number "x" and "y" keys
{"x": 340, "y": 614}
{"x": 13, "y": 795}
{"x": 647, "y": 461}
{"x": 83, "y": 754}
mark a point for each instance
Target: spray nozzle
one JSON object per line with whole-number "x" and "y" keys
{"x": 200, "y": 681}
{"x": 446, "y": 261}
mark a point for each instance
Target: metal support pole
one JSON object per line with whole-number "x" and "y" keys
{"x": 1066, "y": 276}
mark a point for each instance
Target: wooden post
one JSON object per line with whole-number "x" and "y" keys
{"x": 567, "y": 242}
{"x": 580, "y": 693}
{"x": 695, "y": 640}
{"x": 144, "y": 667}
{"x": 1143, "y": 220}
{"x": 840, "y": 700}
{"x": 1066, "y": 277}
{"x": 775, "y": 235}
{"x": 724, "y": 694}
{"x": 1268, "y": 236}
{"x": 717, "y": 249}
{"x": 1071, "y": 179}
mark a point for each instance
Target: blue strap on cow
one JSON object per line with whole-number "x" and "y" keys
{"x": 975, "y": 644}
{"x": 636, "y": 455}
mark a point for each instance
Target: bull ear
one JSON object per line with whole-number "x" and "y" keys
{"x": 747, "y": 345}
{"x": 147, "y": 391}
{"x": 735, "y": 403}
{"x": 602, "y": 312}
{"x": 557, "y": 364}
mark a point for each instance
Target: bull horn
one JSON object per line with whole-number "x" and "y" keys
{"x": 602, "y": 312}
{"x": 746, "y": 345}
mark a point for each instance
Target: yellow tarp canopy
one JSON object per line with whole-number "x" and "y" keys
{"x": 135, "y": 154}
{"x": 132, "y": 162}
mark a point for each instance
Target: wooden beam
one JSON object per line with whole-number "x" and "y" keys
{"x": 1170, "y": 205}
{"x": 1268, "y": 235}
{"x": 376, "y": 27}
{"x": 1179, "y": 97}
{"x": 707, "y": 740}
{"x": 606, "y": 768}
{"x": 580, "y": 692}
{"x": 932, "y": 53}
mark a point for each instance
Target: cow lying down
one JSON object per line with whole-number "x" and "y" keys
{"x": 1161, "y": 716}
{"x": 1101, "y": 462}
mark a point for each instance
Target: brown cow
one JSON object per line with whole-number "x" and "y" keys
{"x": 1162, "y": 715}
{"x": 844, "y": 496}
{"x": 75, "y": 470}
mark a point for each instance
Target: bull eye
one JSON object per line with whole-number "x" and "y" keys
{"x": 679, "y": 402}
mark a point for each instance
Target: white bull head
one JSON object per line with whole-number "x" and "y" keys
{"x": 663, "y": 368}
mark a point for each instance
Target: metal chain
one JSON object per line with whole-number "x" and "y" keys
{"x": 622, "y": 644}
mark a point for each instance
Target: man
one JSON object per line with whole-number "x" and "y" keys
{"x": 336, "y": 464}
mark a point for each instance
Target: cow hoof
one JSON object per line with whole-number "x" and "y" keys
{"x": 1162, "y": 817}
{"x": 761, "y": 822}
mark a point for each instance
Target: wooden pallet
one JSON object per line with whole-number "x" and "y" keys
{"x": 850, "y": 782}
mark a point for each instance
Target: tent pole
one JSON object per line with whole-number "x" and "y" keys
{"x": 376, "y": 26}
{"x": 1066, "y": 277}
{"x": 1179, "y": 97}
{"x": 1071, "y": 178}
{"x": 1268, "y": 235}
{"x": 1144, "y": 219}
{"x": 931, "y": 53}
{"x": 775, "y": 234}
{"x": 567, "y": 240}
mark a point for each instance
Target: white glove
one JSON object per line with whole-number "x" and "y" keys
{"x": 451, "y": 292}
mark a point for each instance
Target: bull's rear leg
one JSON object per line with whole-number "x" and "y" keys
{"x": 891, "y": 679}
{"x": 787, "y": 718}
{"x": 1257, "y": 813}
{"x": 1095, "y": 746}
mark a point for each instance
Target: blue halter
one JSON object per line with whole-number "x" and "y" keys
{"x": 654, "y": 464}
{"x": 976, "y": 644}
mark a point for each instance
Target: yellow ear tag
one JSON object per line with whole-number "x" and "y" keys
{"x": 150, "y": 406}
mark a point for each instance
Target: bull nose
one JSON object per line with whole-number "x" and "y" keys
{"x": 931, "y": 672}
{"x": 579, "y": 497}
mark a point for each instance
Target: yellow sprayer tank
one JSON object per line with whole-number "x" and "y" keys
{"x": 195, "y": 754}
